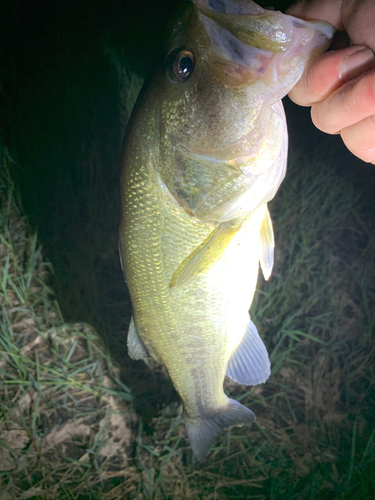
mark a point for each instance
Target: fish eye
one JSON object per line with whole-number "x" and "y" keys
{"x": 180, "y": 65}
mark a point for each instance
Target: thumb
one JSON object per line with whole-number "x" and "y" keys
{"x": 318, "y": 10}
{"x": 329, "y": 72}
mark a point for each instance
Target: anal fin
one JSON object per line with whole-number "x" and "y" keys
{"x": 136, "y": 349}
{"x": 249, "y": 363}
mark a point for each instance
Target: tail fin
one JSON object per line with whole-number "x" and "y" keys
{"x": 203, "y": 432}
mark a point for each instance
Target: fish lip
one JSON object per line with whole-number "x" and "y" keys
{"x": 251, "y": 8}
{"x": 236, "y": 61}
{"x": 325, "y": 28}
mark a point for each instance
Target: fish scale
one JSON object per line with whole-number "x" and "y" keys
{"x": 204, "y": 152}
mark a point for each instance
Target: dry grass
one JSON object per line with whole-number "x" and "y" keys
{"x": 65, "y": 425}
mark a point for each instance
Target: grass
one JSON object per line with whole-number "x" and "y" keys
{"x": 78, "y": 419}
{"x": 63, "y": 417}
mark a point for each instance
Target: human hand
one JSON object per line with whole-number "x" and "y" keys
{"x": 340, "y": 85}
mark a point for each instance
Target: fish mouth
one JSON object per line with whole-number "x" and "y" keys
{"x": 245, "y": 39}
{"x": 238, "y": 17}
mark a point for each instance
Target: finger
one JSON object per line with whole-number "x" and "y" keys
{"x": 318, "y": 10}
{"x": 358, "y": 18}
{"x": 330, "y": 71}
{"x": 352, "y": 102}
{"x": 360, "y": 139}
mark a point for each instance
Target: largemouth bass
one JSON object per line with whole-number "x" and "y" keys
{"x": 205, "y": 151}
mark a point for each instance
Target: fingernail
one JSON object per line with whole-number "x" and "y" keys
{"x": 355, "y": 60}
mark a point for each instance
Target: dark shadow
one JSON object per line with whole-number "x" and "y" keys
{"x": 62, "y": 122}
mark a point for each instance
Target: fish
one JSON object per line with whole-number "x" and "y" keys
{"x": 204, "y": 152}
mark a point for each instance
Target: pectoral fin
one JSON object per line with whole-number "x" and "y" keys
{"x": 267, "y": 245}
{"x": 136, "y": 349}
{"x": 207, "y": 254}
{"x": 249, "y": 363}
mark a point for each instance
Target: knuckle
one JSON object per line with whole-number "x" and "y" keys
{"x": 320, "y": 118}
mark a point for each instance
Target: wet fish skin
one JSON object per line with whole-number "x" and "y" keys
{"x": 202, "y": 158}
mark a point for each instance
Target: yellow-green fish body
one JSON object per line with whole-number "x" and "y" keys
{"x": 204, "y": 153}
